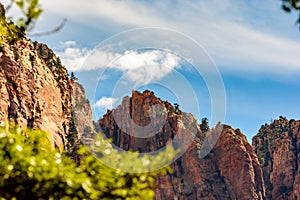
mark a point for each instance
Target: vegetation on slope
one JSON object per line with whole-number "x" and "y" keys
{"x": 30, "y": 168}
{"x": 13, "y": 31}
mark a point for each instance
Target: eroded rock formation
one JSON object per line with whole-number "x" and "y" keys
{"x": 36, "y": 92}
{"x": 277, "y": 146}
{"x": 230, "y": 171}
{"x": 35, "y": 89}
{"x": 81, "y": 111}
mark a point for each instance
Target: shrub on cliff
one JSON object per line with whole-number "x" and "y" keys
{"x": 204, "y": 126}
{"x": 13, "y": 31}
{"x": 30, "y": 168}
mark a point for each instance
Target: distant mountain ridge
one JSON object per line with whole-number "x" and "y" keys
{"x": 213, "y": 177}
{"x": 277, "y": 146}
{"x": 37, "y": 92}
{"x": 269, "y": 169}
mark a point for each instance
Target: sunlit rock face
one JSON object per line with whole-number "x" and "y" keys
{"x": 230, "y": 171}
{"x": 277, "y": 146}
{"x": 35, "y": 89}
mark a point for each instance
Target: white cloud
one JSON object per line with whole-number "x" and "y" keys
{"x": 249, "y": 49}
{"x": 139, "y": 67}
{"x": 68, "y": 44}
{"x": 125, "y": 12}
{"x": 105, "y": 103}
{"x": 72, "y": 56}
{"x": 146, "y": 66}
{"x": 229, "y": 29}
{"x": 76, "y": 58}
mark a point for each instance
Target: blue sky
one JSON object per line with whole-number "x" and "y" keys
{"x": 254, "y": 44}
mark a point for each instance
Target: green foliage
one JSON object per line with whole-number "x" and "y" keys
{"x": 31, "y": 11}
{"x": 171, "y": 110}
{"x": 8, "y": 31}
{"x": 204, "y": 126}
{"x": 289, "y": 5}
{"x": 269, "y": 134}
{"x": 176, "y": 106}
{"x": 30, "y": 168}
{"x": 11, "y": 31}
{"x": 176, "y": 109}
{"x": 131, "y": 161}
{"x": 73, "y": 77}
{"x": 263, "y": 158}
{"x": 72, "y": 136}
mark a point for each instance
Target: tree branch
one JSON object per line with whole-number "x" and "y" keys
{"x": 55, "y": 30}
{"x": 11, "y": 3}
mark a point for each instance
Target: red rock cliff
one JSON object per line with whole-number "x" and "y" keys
{"x": 230, "y": 171}
{"x": 277, "y": 146}
{"x": 35, "y": 89}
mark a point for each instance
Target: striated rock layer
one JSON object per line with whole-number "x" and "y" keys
{"x": 82, "y": 112}
{"x": 135, "y": 111}
{"x": 239, "y": 165}
{"x": 35, "y": 89}
{"x": 277, "y": 145}
{"x": 230, "y": 171}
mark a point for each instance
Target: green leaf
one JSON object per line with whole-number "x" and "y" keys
{"x": 37, "y": 13}
{"x": 20, "y": 4}
{"x": 31, "y": 168}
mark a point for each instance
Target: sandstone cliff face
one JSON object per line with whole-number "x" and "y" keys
{"x": 36, "y": 92}
{"x": 35, "y": 89}
{"x": 239, "y": 165}
{"x": 81, "y": 112}
{"x": 230, "y": 171}
{"x": 277, "y": 146}
{"x": 138, "y": 107}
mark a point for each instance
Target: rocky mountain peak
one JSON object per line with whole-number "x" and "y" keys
{"x": 37, "y": 92}
{"x": 277, "y": 147}
{"x": 212, "y": 177}
{"x": 154, "y": 121}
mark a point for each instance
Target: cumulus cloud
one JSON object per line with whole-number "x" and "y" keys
{"x": 105, "y": 103}
{"x": 146, "y": 66}
{"x": 72, "y": 56}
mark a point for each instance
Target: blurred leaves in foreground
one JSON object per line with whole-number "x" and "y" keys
{"x": 30, "y": 168}
{"x": 290, "y": 5}
{"x": 13, "y": 31}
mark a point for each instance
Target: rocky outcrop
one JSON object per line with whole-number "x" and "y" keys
{"x": 192, "y": 178}
{"x": 277, "y": 146}
{"x": 239, "y": 165}
{"x": 36, "y": 92}
{"x": 35, "y": 89}
{"x": 230, "y": 171}
{"x": 82, "y": 112}
{"x": 120, "y": 123}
